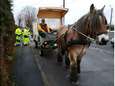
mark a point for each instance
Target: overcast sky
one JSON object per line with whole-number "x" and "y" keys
{"x": 77, "y": 8}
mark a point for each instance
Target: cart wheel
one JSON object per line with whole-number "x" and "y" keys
{"x": 42, "y": 53}
{"x": 59, "y": 58}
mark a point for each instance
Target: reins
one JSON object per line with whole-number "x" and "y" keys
{"x": 92, "y": 39}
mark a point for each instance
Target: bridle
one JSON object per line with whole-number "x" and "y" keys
{"x": 88, "y": 37}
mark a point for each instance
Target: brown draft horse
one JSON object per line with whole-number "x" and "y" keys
{"x": 75, "y": 39}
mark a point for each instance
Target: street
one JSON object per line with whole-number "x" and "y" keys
{"x": 25, "y": 70}
{"x": 97, "y": 68}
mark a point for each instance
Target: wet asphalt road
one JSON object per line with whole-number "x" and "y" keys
{"x": 25, "y": 71}
{"x": 97, "y": 68}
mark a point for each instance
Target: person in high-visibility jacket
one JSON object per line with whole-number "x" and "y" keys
{"x": 18, "y": 33}
{"x": 26, "y": 35}
{"x": 43, "y": 27}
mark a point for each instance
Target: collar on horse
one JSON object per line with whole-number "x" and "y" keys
{"x": 87, "y": 37}
{"x": 81, "y": 41}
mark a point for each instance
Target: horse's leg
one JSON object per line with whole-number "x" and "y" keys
{"x": 78, "y": 65}
{"x": 67, "y": 61}
{"x": 80, "y": 57}
{"x": 73, "y": 67}
{"x": 73, "y": 73}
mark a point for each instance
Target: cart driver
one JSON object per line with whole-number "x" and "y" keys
{"x": 43, "y": 27}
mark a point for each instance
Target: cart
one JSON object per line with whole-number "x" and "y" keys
{"x": 54, "y": 17}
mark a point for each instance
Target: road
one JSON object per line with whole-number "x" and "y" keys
{"x": 97, "y": 68}
{"x": 25, "y": 70}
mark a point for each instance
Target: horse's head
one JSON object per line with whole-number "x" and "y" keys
{"x": 98, "y": 25}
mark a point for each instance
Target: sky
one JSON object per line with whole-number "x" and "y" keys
{"x": 77, "y": 8}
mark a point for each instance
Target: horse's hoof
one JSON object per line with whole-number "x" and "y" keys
{"x": 76, "y": 83}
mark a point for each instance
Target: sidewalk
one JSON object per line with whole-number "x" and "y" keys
{"x": 25, "y": 69}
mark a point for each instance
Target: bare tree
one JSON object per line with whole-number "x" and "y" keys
{"x": 19, "y": 19}
{"x": 27, "y": 16}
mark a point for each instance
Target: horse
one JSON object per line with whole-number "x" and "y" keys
{"x": 74, "y": 40}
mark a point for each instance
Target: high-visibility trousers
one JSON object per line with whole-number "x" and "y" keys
{"x": 18, "y": 40}
{"x": 26, "y": 40}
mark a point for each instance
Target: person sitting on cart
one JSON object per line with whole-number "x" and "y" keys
{"x": 43, "y": 28}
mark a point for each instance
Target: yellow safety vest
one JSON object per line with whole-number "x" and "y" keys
{"x": 26, "y": 32}
{"x": 40, "y": 29}
{"x": 18, "y": 31}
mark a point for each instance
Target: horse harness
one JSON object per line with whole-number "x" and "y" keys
{"x": 84, "y": 40}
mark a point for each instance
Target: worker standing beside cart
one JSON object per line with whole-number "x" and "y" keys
{"x": 26, "y": 36}
{"x": 18, "y": 33}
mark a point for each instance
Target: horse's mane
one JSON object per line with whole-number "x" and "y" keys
{"x": 81, "y": 23}
{"x": 89, "y": 22}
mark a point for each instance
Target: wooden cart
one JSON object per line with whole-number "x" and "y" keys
{"x": 54, "y": 17}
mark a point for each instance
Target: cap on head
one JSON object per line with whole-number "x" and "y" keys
{"x": 43, "y": 20}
